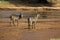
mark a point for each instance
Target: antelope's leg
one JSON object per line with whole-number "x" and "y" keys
{"x": 31, "y": 24}
{"x": 34, "y": 25}
{"x": 28, "y": 25}
{"x": 13, "y": 22}
{"x": 17, "y": 22}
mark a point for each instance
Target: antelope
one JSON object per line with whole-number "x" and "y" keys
{"x": 32, "y": 21}
{"x": 15, "y": 18}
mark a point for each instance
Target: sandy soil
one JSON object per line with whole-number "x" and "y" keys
{"x": 43, "y": 30}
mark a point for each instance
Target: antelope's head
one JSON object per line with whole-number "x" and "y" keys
{"x": 38, "y": 15}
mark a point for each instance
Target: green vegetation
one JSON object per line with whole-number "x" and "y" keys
{"x": 4, "y": 2}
